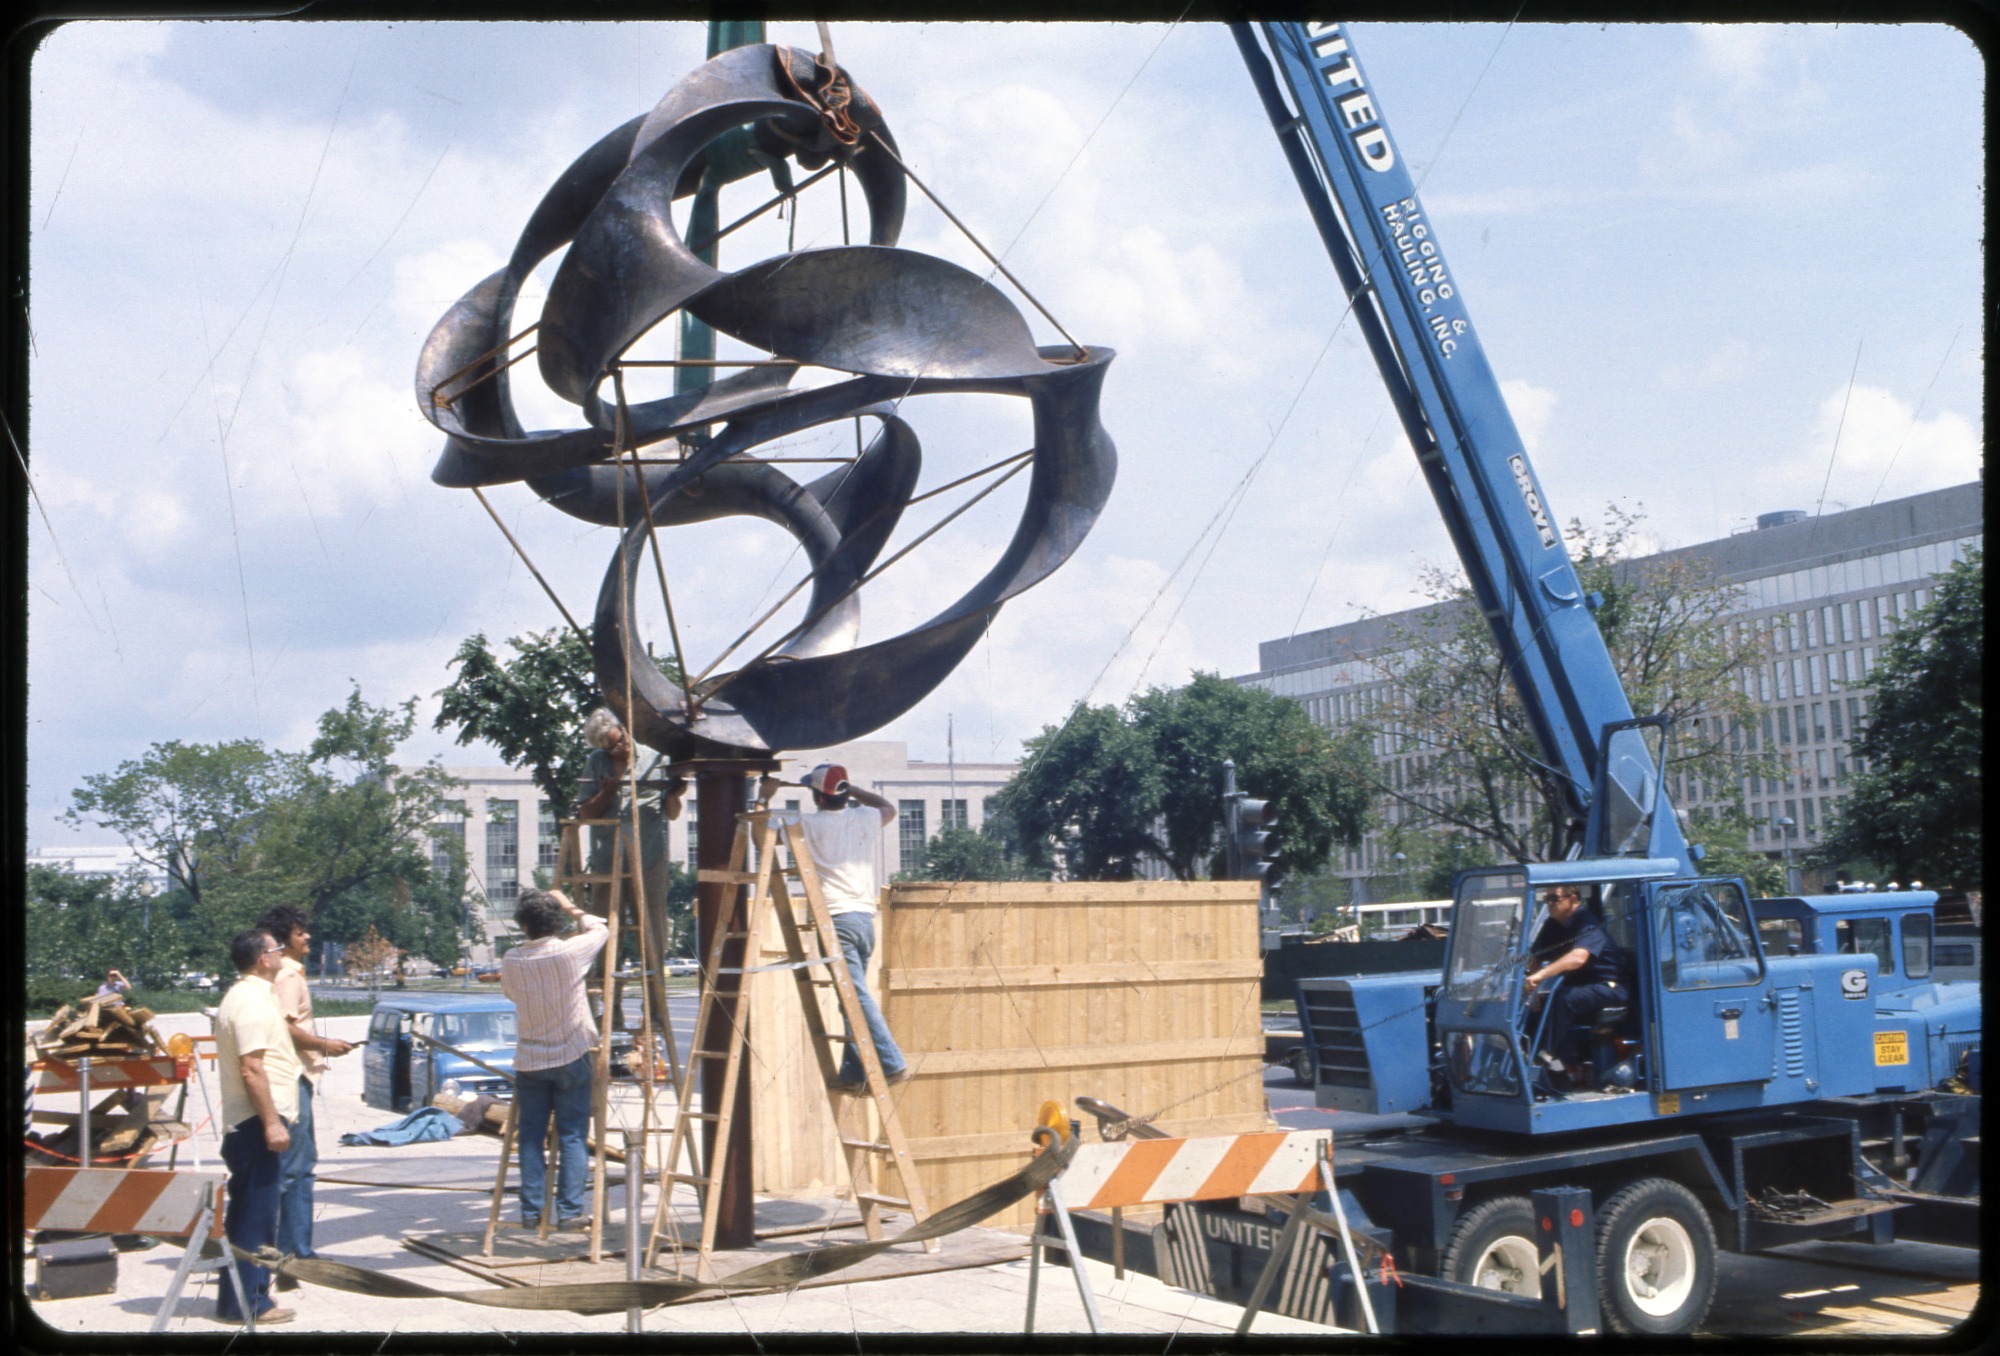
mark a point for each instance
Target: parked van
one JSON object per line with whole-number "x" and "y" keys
{"x": 400, "y": 1072}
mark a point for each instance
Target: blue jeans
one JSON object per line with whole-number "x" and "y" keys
{"x": 564, "y": 1092}
{"x": 856, "y": 932}
{"x": 250, "y": 1219}
{"x": 295, "y": 1181}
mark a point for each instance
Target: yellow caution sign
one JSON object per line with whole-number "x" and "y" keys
{"x": 1892, "y": 1047}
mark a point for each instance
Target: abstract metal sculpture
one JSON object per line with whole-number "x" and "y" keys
{"x": 900, "y": 323}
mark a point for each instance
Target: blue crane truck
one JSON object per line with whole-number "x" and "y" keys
{"x": 1746, "y": 1094}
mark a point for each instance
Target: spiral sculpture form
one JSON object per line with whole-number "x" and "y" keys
{"x": 901, "y": 323}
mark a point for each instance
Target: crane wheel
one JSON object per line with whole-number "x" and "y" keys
{"x": 1493, "y": 1247}
{"x": 1655, "y": 1259}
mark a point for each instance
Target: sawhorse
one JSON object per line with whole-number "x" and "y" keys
{"x": 1290, "y": 1165}
{"x": 140, "y": 1201}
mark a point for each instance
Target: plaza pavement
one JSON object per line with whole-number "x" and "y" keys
{"x": 370, "y": 1199}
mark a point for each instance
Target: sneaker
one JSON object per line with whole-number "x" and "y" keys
{"x": 1549, "y": 1062}
{"x": 851, "y": 1087}
{"x": 901, "y": 1075}
{"x": 573, "y": 1223}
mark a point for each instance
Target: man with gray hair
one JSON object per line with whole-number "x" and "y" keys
{"x": 603, "y": 794}
{"x": 259, "y": 1072}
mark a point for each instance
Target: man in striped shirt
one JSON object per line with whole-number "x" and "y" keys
{"x": 544, "y": 976}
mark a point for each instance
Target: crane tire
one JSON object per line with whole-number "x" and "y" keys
{"x": 1301, "y": 1061}
{"x": 1655, "y": 1259}
{"x": 1493, "y": 1247}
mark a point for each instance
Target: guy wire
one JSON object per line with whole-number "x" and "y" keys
{"x": 659, "y": 565}
{"x": 522, "y": 553}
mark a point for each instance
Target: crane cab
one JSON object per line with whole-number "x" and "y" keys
{"x": 1712, "y": 1023}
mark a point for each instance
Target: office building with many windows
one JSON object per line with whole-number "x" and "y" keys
{"x": 1828, "y": 591}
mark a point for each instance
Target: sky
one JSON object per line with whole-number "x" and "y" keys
{"x": 1720, "y": 270}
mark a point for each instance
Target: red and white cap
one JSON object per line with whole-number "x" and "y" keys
{"x": 827, "y": 779}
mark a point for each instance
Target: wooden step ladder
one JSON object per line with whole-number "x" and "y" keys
{"x": 574, "y": 878}
{"x": 812, "y": 954}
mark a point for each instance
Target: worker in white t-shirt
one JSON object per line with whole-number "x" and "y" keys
{"x": 844, "y": 838}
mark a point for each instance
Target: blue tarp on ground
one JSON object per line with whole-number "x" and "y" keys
{"x": 419, "y": 1127}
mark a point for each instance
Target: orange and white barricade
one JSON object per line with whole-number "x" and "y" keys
{"x": 1293, "y": 1164}
{"x": 103, "y": 1075}
{"x": 88, "y": 1077}
{"x": 185, "y": 1205}
{"x": 1206, "y": 1168}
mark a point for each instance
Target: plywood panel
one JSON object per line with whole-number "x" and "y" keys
{"x": 794, "y": 1149}
{"x": 1005, "y": 995}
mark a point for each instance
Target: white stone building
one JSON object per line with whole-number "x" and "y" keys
{"x": 509, "y": 833}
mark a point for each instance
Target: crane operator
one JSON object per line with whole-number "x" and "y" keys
{"x": 1573, "y": 943}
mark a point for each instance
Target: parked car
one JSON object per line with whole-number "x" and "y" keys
{"x": 400, "y": 1072}
{"x": 487, "y": 974}
{"x": 196, "y": 979}
{"x": 681, "y": 965}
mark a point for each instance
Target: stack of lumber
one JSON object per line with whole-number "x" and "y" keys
{"x": 99, "y": 1028}
{"x": 131, "y": 1122}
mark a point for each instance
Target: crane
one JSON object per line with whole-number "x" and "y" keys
{"x": 1719, "y": 1077}
{"x": 1413, "y": 317}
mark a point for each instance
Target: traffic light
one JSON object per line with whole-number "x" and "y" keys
{"x": 1257, "y": 839}
{"x": 1253, "y": 843}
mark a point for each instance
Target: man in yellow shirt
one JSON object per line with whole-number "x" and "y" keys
{"x": 287, "y": 923}
{"x": 260, "y": 1100}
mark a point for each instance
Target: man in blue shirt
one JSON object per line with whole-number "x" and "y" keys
{"x": 1573, "y": 943}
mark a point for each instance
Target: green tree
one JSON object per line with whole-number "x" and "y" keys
{"x": 1448, "y": 702}
{"x": 531, "y": 708}
{"x": 1918, "y": 809}
{"x": 1724, "y": 836}
{"x": 1111, "y": 788}
{"x": 680, "y": 911}
{"x": 77, "y": 927}
{"x": 193, "y": 811}
{"x": 339, "y": 830}
{"x": 1317, "y": 896}
{"x": 1090, "y": 787}
{"x": 956, "y": 854}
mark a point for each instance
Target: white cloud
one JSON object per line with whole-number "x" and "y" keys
{"x": 1532, "y": 407}
{"x": 344, "y": 438}
{"x": 428, "y": 281}
{"x": 1738, "y": 54}
{"x": 1733, "y": 360}
{"x": 166, "y": 302}
{"x": 1881, "y": 446}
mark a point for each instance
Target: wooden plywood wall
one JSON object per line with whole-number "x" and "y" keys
{"x": 1006, "y": 995}
{"x": 794, "y": 1149}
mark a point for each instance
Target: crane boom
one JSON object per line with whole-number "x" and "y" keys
{"x": 1413, "y": 318}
